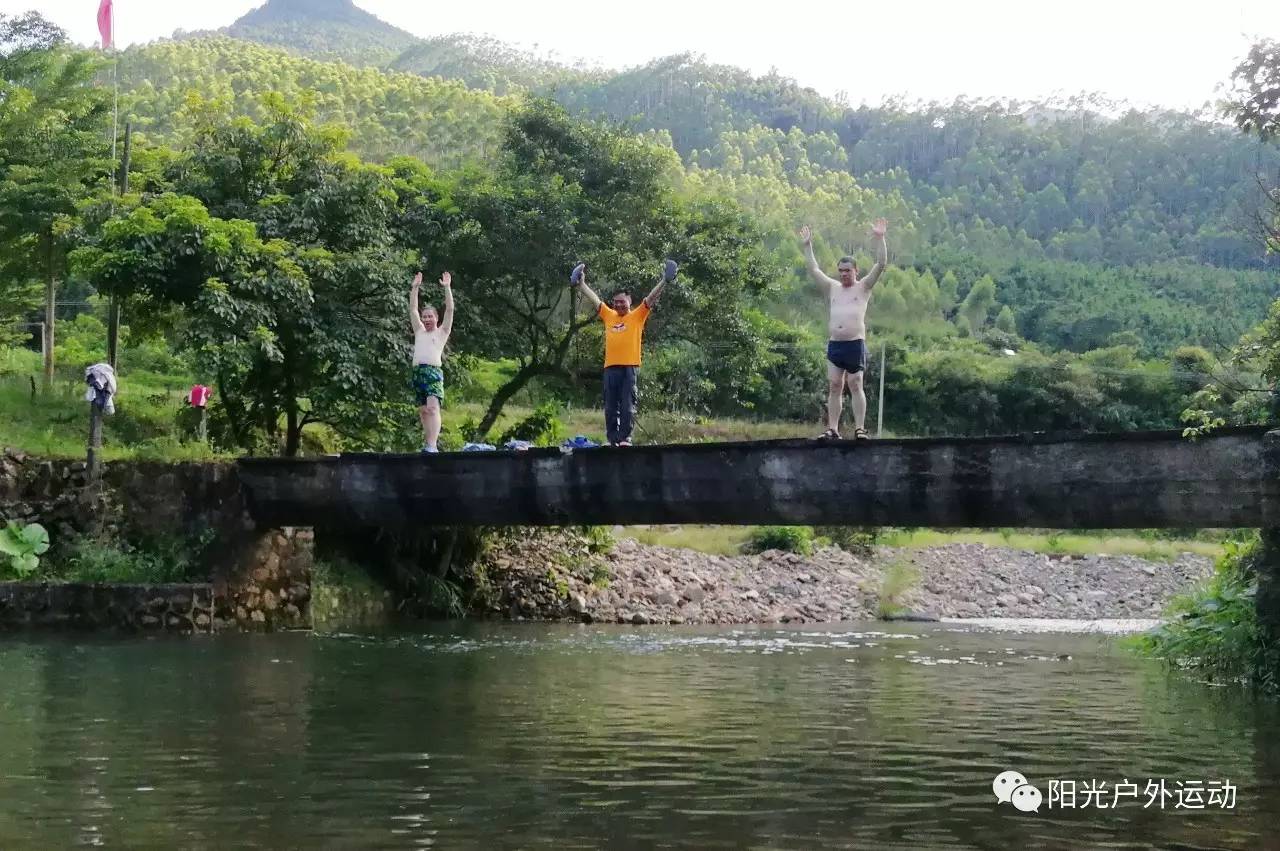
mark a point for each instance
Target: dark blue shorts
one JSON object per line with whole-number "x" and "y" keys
{"x": 849, "y": 355}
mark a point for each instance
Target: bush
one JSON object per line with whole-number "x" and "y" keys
{"x": 161, "y": 560}
{"x": 860, "y": 540}
{"x": 153, "y": 355}
{"x": 791, "y": 539}
{"x": 542, "y": 427}
{"x": 599, "y": 539}
{"x": 81, "y": 342}
{"x": 1214, "y": 629}
{"x": 899, "y": 578}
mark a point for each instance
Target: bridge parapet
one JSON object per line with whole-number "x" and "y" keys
{"x": 1097, "y": 481}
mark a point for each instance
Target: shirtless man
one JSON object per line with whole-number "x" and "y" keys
{"x": 847, "y": 329}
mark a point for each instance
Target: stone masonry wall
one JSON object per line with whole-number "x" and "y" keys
{"x": 185, "y": 608}
{"x": 257, "y": 578}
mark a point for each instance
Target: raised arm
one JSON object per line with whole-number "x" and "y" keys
{"x": 415, "y": 318}
{"x": 446, "y": 281}
{"x": 878, "y": 230}
{"x": 579, "y": 280}
{"x": 806, "y": 237}
{"x": 669, "y": 269}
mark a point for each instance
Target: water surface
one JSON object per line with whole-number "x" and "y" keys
{"x": 522, "y": 736}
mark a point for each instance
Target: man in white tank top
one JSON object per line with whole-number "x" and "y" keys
{"x": 430, "y": 333}
{"x": 847, "y": 300}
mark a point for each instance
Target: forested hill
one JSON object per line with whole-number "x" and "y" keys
{"x": 1141, "y": 188}
{"x": 1025, "y": 182}
{"x": 386, "y": 114}
{"x": 323, "y": 29}
{"x": 1088, "y": 228}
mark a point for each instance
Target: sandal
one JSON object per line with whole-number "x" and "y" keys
{"x": 861, "y": 434}
{"x": 829, "y": 434}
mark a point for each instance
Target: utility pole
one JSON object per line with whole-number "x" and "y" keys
{"x": 880, "y": 405}
{"x": 50, "y": 299}
{"x": 113, "y": 316}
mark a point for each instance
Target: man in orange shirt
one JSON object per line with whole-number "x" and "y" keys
{"x": 623, "y": 329}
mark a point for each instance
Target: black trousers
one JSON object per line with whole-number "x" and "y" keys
{"x": 619, "y": 396}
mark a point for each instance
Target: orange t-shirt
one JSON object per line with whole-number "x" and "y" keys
{"x": 622, "y": 334}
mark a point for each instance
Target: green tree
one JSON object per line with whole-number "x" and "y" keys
{"x": 1256, "y": 110}
{"x": 284, "y": 255}
{"x": 977, "y": 304}
{"x": 948, "y": 292}
{"x": 1005, "y": 321}
{"x": 566, "y": 190}
{"x": 53, "y": 149}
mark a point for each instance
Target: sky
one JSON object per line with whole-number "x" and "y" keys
{"x": 1144, "y": 52}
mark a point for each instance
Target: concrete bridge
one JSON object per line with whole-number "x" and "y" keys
{"x": 1125, "y": 480}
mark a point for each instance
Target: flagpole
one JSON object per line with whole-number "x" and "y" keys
{"x": 115, "y": 99}
{"x": 113, "y": 307}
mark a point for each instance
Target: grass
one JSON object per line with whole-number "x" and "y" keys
{"x": 728, "y": 540}
{"x": 56, "y": 424}
{"x": 340, "y": 574}
{"x": 161, "y": 561}
{"x": 344, "y": 595}
{"x": 713, "y": 540}
{"x": 1056, "y": 543}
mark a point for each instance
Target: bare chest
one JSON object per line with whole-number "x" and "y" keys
{"x": 846, "y": 300}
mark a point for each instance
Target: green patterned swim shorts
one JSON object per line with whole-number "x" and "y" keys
{"x": 428, "y": 381}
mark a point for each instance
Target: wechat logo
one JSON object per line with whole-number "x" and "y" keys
{"x": 1011, "y": 787}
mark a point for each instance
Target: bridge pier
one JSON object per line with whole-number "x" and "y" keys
{"x": 1267, "y": 564}
{"x": 1267, "y": 601}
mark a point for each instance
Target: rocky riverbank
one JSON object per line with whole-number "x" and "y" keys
{"x": 640, "y": 584}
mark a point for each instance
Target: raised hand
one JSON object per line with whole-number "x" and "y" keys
{"x": 806, "y": 235}
{"x": 417, "y": 280}
{"x": 880, "y": 228}
{"x": 446, "y": 280}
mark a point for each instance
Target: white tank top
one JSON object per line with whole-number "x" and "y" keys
{"x": 428, "y": 346}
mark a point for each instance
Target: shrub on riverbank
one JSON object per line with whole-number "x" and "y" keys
{"x": 1214, "y": 629}
{"x": 790, "y": 539}
{"x": 156, "y": 562}
{"x": 859, "y": 540}
{"x": 899, "y": 577}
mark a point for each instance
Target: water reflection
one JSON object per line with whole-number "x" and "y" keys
{"x": 519, "y": 736}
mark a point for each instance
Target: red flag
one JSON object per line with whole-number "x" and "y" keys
{"x": 106, "y": 24}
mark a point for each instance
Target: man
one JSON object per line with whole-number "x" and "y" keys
{"x": 429, "y": 337}
{"x": 623, "y": 330}
{"x": 847, "y": 301}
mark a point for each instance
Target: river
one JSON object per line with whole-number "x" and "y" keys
{"x": 519, "y": 736}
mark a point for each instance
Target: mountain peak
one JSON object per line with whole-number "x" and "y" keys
{"x": 325, "y": 29}
{"x": 344, "y": 11}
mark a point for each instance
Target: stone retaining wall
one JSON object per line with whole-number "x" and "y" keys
{"x": 183, "y": 608}
{"x": 250, "y": 578}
